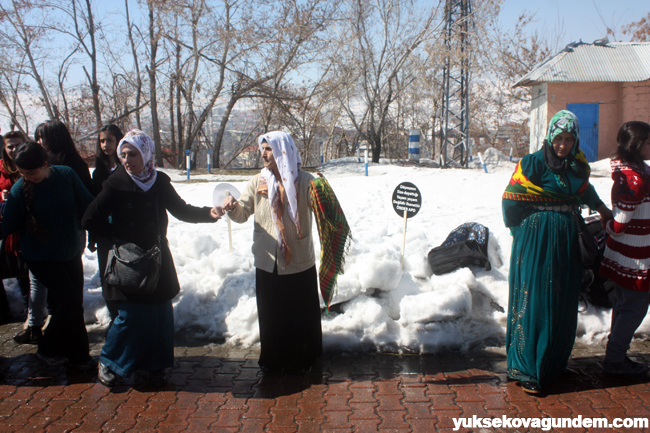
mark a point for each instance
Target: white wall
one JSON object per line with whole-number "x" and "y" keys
{"x": 538, "y": 116}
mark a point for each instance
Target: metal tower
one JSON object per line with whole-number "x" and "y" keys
{"x": 454, "y": 146}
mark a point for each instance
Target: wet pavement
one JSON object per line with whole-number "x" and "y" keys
{"x": 219, "y": 388}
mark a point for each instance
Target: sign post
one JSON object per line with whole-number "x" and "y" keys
{"x": 407, "y": 201}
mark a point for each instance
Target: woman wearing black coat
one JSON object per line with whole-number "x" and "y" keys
{"x": 106, "y": 162}
{"x": 132, "y": 207}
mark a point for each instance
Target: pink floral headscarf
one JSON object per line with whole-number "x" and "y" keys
{"x": 145, "y": 145}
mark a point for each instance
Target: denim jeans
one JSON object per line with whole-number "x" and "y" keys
{"x": 36, "y": 306}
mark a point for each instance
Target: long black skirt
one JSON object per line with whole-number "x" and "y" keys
{"x": 289, "y": 318}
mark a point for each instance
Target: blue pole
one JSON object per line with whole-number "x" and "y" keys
{"x": 366, "y": 154}
{"x": 187, "y": 163}
{"x": 414, "y": 145}
{"x": 482, "y": 162}
{"x": 321, "y": 153}
{"x": 210, "y": 161}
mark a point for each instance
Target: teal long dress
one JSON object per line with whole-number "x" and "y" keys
{"x": 545, "y": 277}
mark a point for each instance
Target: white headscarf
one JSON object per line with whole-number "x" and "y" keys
{"x": 287, "y": 158}
{"x": 145, "y": 145}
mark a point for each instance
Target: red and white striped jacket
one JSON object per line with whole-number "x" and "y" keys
{"x": 627, "y": 254}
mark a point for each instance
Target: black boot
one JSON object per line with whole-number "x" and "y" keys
{"x": 31, "y": 335}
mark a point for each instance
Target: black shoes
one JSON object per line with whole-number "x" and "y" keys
{"x": 31, "y": 335}
{"x": 627, "y": 368}
{"x": 531, "y": 388}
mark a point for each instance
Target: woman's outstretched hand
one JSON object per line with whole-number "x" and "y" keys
{"x": 217, "y": 212}
{"x": 229, "y": 203}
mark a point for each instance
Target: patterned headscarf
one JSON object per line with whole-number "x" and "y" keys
{"x": 287, "y": 158}
{"x": 563, "y": 121}
{"x": 145, "y": 145}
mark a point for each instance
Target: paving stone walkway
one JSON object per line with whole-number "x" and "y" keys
{"x": 219, "y": 388}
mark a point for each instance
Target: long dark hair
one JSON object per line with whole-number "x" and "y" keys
{"x": 631, "y": 137}
{"x": 100, "y": 156}
{"x": 31, "y": 156}
{"x": 56, "y": 139}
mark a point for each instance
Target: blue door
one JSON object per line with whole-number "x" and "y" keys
{"x": 588, "y": 118}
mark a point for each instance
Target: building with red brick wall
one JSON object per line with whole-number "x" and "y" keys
{"x": 605, "y": 84}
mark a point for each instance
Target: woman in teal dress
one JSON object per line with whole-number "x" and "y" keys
{"x": 545, "y": 268}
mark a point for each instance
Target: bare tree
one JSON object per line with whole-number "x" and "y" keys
{"x": 385, "y": 33}
{"x": 503, "y": 58}
{"x": 246, "y": 55}
{"x": 154, "y": 39}
{"x": 136, "y": 64}
{"x": 83, "y": 33}
{"x": 24, "y": 37}
{"x": 11, "y": 85}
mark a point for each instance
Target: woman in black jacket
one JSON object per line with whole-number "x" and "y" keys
{"x": 106, "y": 162}
{"x": 132, "y": 207}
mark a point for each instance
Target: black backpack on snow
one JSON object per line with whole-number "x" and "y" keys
{"x": 466, "y": 245}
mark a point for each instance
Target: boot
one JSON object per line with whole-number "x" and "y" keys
{"x": 31, "y": 335}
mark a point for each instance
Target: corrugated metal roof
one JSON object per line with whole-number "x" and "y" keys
{"x": 581, "y": 62}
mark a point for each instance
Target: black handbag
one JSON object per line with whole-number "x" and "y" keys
{"x": 133, "y": 270}
{"x": 588, "y": 248}
{"x": 11, "y": 265}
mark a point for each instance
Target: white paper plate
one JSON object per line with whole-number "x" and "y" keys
{"x": 221, "y": 191}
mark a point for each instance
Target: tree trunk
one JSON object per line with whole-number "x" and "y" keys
{"x": 172, "y": 128}
{"x": 94, "y": 85}
{"x": 155, "y": 124}
{"x": 221, "y": 132}
{"x": 136, "y": 64}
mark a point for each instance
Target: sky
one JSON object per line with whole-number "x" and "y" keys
{"x": 576, "y": 20}
{"x": 380, "y": 302}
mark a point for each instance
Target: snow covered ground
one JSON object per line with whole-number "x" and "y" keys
{"x": 379, "y": 303}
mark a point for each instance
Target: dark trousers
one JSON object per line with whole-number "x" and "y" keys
{"x": 289, "y": 318}
{"x": 66, "y": 333}
{"x": 629, "y": 310}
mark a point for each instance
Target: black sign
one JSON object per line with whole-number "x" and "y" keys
{"x": 407, "y": 197}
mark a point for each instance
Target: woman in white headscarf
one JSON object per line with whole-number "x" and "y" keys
{"x": 286, "y": 283}
{"x": 132, "y": 207}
